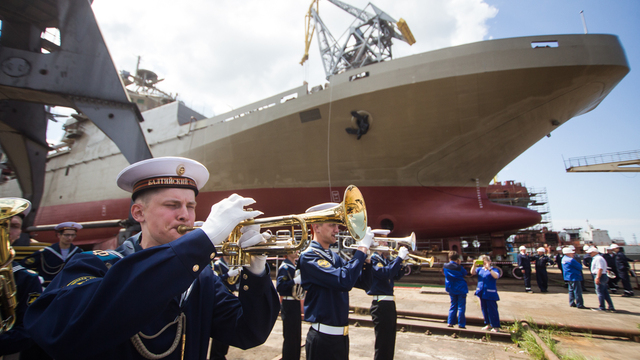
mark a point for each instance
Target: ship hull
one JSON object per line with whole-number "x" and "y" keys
{"x": 442, "y": 124}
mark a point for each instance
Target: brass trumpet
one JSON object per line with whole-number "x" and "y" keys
{"x": 409, "y": 242}
{"x": 8, "y": 291}
{"x": 351, "y": 213}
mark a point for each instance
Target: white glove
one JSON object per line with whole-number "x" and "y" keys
{"x": 297, "y": 279}
{"x": 250, "y": 236}
{"x": 403, "y": 253}
{"x": 233, "y": 272}
{"x": 225, "y": 215}
{"x": 258, "y": 263}
{"x": 367, "y": 240}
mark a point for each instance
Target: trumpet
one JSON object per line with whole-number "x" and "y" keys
{"x": 351, "y": 213}
{"x": 408, "y": 241}
{"x": 8, "y": 291}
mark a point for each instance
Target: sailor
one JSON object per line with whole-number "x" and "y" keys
{"x": 622, "y": 264}
{"x": 157, "y": 296}
{"x": 16, "y": 343}
{"x": 541, "y": 261}
{"x": 383, "y": 306}
{"x": 524, "y": 263}
{"x": 287, "y": 283}
{"x": 49, "y": 261}
{"x": 17, "y": 340}
{"x": 219, "y": 349}
{"x": 328, "y": 278}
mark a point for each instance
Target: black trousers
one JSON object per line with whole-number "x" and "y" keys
{"x": 330, "y": 347}
{"x": 291, "y": 329}
{"x": 218, "y": 350}
{"x": 384, "y": 316}
{"x": 542, "y": 279}
{"x": 526, "y": 273}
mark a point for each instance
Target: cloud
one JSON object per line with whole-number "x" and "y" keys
{"x": 228, "y": 54}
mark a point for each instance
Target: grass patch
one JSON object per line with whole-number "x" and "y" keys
{"x": 527, "y": 342}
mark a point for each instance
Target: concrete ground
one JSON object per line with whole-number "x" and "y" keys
{"x": 515, "y": 304}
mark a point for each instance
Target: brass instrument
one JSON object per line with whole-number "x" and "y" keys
{"x": 8, "y": 292}
{"x": 409, "y": 242}
{"x": 297, "y": 292}
{"x": 351, "y": 213}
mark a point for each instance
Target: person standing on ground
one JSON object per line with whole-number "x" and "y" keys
{"x": 541, "y": 261}
{"x": 600, "y": 279}
{"x": 456, "y": 285}
{"x": 611, "y": 266}
{"x": 524, "y": 263}
{"x": 289, "y": 278}
{"x": 559, "y": 256}
{"x": 49, "y": 261}
{"x": 573, "y": 276}
{"x": 622, "y": 264}
{"x": 487, "y": 291}
{"x": 328, "y": 278}
{"x": 383, "y": 306}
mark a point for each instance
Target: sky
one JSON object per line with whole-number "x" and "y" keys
{"x": 219, "y": 55}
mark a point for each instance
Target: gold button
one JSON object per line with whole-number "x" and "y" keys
{"x": 245, "y": 288}
{"x": 244, "y": 276}
{"x": 196, "y": 268}
{"x": 212, "y": 255}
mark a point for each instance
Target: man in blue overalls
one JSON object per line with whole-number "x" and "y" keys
{"x": 328, "y": 278}
{"x": 383, "y": 306}
{"x": 157, "y": 295}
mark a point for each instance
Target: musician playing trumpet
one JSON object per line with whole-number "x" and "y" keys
{"x": 383, "y": 306}
{"x": 328, "y": 278}
{"x": 157, "y": 297}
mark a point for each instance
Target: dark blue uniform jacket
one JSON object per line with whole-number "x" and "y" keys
{"x": 384, "y": 271}
{"x": 48, "y": 261}
{"x": 98, "y": 302}
{"x": 524, "y": 262}
{"x": 284, "y": 281}
{"x": 221, "y": 269}
{"x": 29, "y": 288}
{"x": 541, "y": 262}
{"x": 454, "y": 281}
{"x": 328, "y": 278}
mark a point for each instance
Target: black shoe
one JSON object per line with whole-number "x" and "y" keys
{"x": 462, "y": 327}
{"x": 585, "y": 290}
{"x": 450, "y": 325}
{"x": 583, "y": 307}
{"x": 626, "y": 295}
{"x": 544, "y": 291}
{"x": 572, "y": 305}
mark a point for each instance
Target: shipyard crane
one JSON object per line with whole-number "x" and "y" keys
{"x": 369, "y": 41}
{"x": 627, "y": 161}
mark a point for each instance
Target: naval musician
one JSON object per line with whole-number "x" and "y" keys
{"x": 156, "y": 296}
{"x": 327, "y": 278}
{"x": 49, "y": 261}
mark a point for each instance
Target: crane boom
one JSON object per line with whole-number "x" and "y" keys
{"x": 367, "y": 42}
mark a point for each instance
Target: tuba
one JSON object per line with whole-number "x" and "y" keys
{"x": 351, "y": 213}
{"x": 9, "y": 207}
